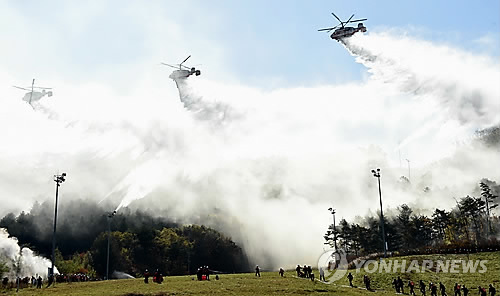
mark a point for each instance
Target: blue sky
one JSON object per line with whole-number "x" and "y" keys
{"x": 266, "y": 44}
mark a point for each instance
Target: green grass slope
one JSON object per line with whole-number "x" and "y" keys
{"x": 272, "y": 284}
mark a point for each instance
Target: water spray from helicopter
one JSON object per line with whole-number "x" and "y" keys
{"x": 293, "y": 153}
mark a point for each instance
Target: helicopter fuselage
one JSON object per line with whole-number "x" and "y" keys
{"x": 347, "y": 32}
{"x": 36, "y": 96}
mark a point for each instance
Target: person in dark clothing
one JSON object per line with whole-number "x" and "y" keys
{"x": 411, "y": 285}
{"x": 482, "y": 291}
{"x": 395, "y": 285}
{"x": 207, "y": 272}
{"x": 465, "y": 290}
{"x": 350, "y": 277}
{"x": 257, "y": 271}
{"x": 422, "y": 287}
{"x": 39, "y": 282}
{"x": 157, "y": 277}
{"x": 456, "y": 290}
{"x": 281, "y": 272}
{"x": 199, "y": 273}
{"x": 51, "y": 280}
{"x": 401, "y": 285}
{"x": 366, "y": 281}
{"x": 322, "y": 274}
{"x": 306, "y": 271}
{"x": 433, "y": 289}
{"x": 298, "y": 270}
{"x": 5, "y": 282}
{"x": 442, "y": 289}
{"x": 492, "y": 291}
{"x": 146, "y": 276}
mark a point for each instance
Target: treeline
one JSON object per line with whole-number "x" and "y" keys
{"x": 173, "y": 251}
{"x": 138, "y": 241}
{"x": 468, "y": 225}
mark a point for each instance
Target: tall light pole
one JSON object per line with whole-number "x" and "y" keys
{"x": 332, "y": 210}
{"x": 377, "y": 175}
{"x": 110, "y": 215}
{"x": 409, "y": 177}
{"x": 58, "y": 179}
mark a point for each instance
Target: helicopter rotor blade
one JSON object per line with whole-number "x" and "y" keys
{"x": 185, "y": 60}
{"x": 327, "y": 29}
{"x": 349, "y": 19}
{"x": 176, "y": 67}
{"x": 336, "y": 17}
{"x": 39, "y": 87}
{"x": 360, "y": 20}
{"x": 21, "y": 88}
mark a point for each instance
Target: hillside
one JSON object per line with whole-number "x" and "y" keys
{"x": 272, "y": 284}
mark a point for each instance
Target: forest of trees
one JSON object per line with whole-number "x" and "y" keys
{"x": 138, "y": 241}
{"x": 469, "y": 225}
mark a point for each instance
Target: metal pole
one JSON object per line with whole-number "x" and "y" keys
{"x": 18, "y": 268}
{"x": 54, "y": 233}
{"x": 107, "y": 257}
{"x": 377, "y": 175}
{"x": 332, "y": 210}
{"x": 111, "y": 215}
{"x": 409, "y": 176}
{"x": 487, "y": 218}
{"x": 334, "y": 232}
{"x": 382, "y": 216}
{"x": 58, "y": 179}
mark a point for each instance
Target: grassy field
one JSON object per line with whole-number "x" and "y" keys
{"x": 272, "y": 284}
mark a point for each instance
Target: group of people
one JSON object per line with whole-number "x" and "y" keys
{"x": 433, "y": 288}
{"x": 157, "y": 276}
{"x": 305, "y": 272}
{"x": 366, "y": 281}
{"x": 34, "y": 281}
{"x": 203, "y": 273}
{"x": 70, "y": 278}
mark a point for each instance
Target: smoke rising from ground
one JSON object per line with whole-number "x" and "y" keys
{"x": 266, "y": 176}
{"x": 21, "y": 262}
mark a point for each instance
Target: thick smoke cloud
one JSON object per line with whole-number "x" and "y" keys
{"x": 21, "y": 262}
{"x": 266, "y": 176}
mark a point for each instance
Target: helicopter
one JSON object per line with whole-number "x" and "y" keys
{"x": 344, "y": 31}
{"x": 183, "y": 71}
{"x": 33, "y": 94}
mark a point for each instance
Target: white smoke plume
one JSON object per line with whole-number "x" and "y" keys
{"x": 121, "y": 275}
{"x": 22, "y": 262}
{"x": 267, "y": 177}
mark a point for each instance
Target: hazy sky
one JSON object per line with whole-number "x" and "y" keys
{"x": 266, "y": 44}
